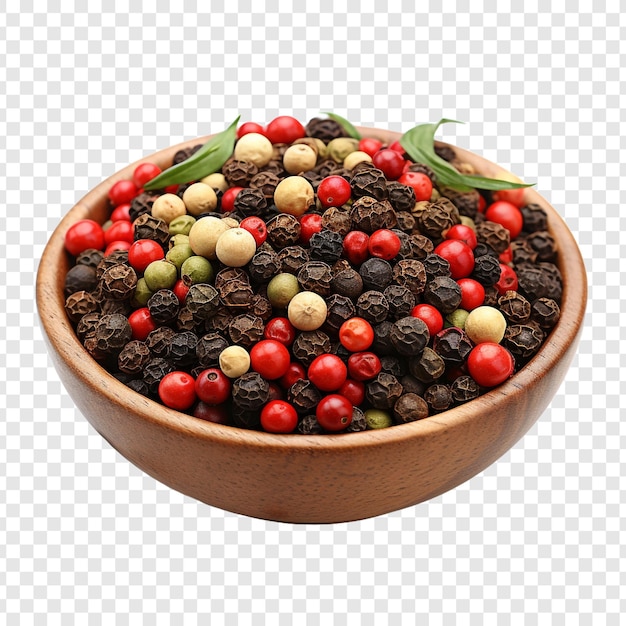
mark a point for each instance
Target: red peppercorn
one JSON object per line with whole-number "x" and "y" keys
{"x": 463, "y": 233}
{"x": 507, "y": 281}
{"x": 506, "y": 214}
{"x": 430, "y": 316}
{"x": 180, "y": 290}
{"x": 279, "y": 416}
{"x": 228, "y": 199}
{"x": 83, "y": 235}
{"x": 121, "y": 213}
{"x": 213, "y": 386}
{"x": 490, "y": 364}
{"x": 256, "y": 227}
{"x": 270, "y": 358}
{"x": 145, "y": 173}
{"x": 397, "y": 146}
{"x": 353, "y": 390}
{"x": 310, "y": 223}
{"x": 208, "y": 413}
{"x": 142, "y": 252}
{"x": 327, "y": 372}
{"x": 356, "y": 334}
{"x": 334, "y": 191}
{"x": 284, "y": 129}
{"x": 250, "y": 127}
{"x": 482, "y": 204}
{"x": 334, "y": 413}
{"x": 390, "y": 162}
{"x": 472, "y": 293}
{"x": 356, "y": 247}
{"x": 384, "y": 244}
{"x": 294, "y": 372}
{"x": 459, "y": 255}
{"x": 370, "y": 146}
{"x": 420, "y": 182}
{"x": 116, "y": 245}
{"x": 141, "y": 323}
{"x": 120, "y": 231}
{"x": 514, "y": 196}
{"x": 364, "y": 366}
{"x": 177, "y": 390}
{"x": 506, "y": 256}
{"x": 172, "y": 188}
{"x": 280, "y": 329}
{"x": 122, "y": 192}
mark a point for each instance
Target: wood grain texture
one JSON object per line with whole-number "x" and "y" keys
{"x": 297, "y": 478}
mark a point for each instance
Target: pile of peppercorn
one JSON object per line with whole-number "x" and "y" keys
{"x": 315, "y": 283}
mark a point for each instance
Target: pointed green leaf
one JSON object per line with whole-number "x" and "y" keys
{"x": 207, "y": 160}
{"x": 346, "y": 125}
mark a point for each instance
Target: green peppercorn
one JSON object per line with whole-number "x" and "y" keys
{"x": 160, "y": 275}
{"x": 142, "y": 294}
{"x": 375, "y": 419}
{"x": 181, "y": 225}
{"x": 281, "y": 289}
{"x": 179, "y": 254}
{"x": 196, "y": 269}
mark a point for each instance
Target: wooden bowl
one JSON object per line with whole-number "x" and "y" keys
{"x": 299, "y": 478}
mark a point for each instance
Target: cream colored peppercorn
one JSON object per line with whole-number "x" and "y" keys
{"x": 216, "y": 181}
{"x": 485, "y": 323}
{"x": 231, "y": 221}
{"x": 254, "y": 148}
{"x": 294, "y": 195}
{"x": 204, "y": 234}
{"x": 235, "y": 247}
{"x": 468, "y": 221}
{"x": 234, "y": 361}
{"x": 299, "y": 158}
{"x": 356, "y": 157}
{"x": 307, "y": 310}
{"x": 200, "y": 198}
{"x": 168, "y": 207}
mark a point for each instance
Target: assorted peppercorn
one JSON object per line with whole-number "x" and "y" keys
{"x": 315, "y": 284}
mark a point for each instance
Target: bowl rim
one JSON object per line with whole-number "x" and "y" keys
{"x": 63, "y": 340}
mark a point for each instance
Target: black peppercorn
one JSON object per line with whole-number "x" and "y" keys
{"x": 202, "y": 300}
{"x": 236, "y": 295}
{"x": 463, "y": 389}
{"x": 410, "y": 384}
{"x": 533, "y": 282}
{"x": 250, "y": 420}
{"x": 139, "y": 385}
{"x": 325, "y": 129}
{"x": 158, "y": 341}
{"x": 326, "y": 245}
{"x": 209, "y": 348}
{"x": 283, "y": 230}
{"x": 422, "y": 168}
{"x": 409, "y": 336}
{"x": 119, "y": 282}
{"x": 376, "y": 273}
{"x": 535, "y": 218}
{"x": 494, "y": 235}
{"x": 239, "y": 173}
{"x": 348, "y": 283}
{"x": 292, "y": 258}
{"x": 246, "y": 329}
{"x": 383, "y": 391}
{"x": 108, "y": 307}
{"x": 261, "y": 307}
{"x": 309, "y": 425}
{"x": 465, "y": 201}
{"x": 427, "y": 367}
{"x": 148, "y": 227}
{"x": 87, "y": 325}
{"x": 433, "y": 218}
{"x": 80, "y": 278}
{"x": 339, "y": 309}
{"x": 154, "y": 372}
{"x": 250, "y": 391}
{"x": 401, "y": 301}
{"x": 393, "y": 365}
{"x": 133, "y": 358}
{"x": 90, "y": 257}
{"x": 514, "y": 307}
{"x": 112, "y": 333}
{"x": 522, "y": 252}
{"x": 337, "y": 219}
{"x": 358, "y": 423}
{"x": 486, "y": 270}
{"x": 230, "y": 274}
{"x": 220, "y": 321}
{"x": 482, "y": 249}
{"x": 452, "y": 345}
{"x": 265, "y": 264}
{"x": 186, "y": 321}
{"x": 409, "y": 408}
{"x": 182, "y": 350}
{"x": 303, "y": 395}
{"x": 369, "y": 182}
{"x": 265, "y": 182}
{"x": 372, "y": 306}
{"x": 402, "y": 198}
{"x": 315, "y": 276}
{"x": 543, "y": 243}
{"x": 382, "y": 343}
{"x": 163, "y": 306}
{"x": 435, "y": 265}
{"x": 438, "y": 397}
{"x": 310, "y": 344}
{"x": 369, "y": 214}
{"x": 79, "y": 304}
{"x": 405, "y": 221}
{"x": 142, "y": 204}
{"x": 523, "y": 340}
{"x": 443, "y": 293}
{"x": 410, "y": 273}
{"x": 546, "y": 312}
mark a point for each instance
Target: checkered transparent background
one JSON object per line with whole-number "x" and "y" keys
{"x": 537, "y": 538}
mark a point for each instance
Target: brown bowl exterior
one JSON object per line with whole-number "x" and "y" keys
{"x": 299, "y": 478}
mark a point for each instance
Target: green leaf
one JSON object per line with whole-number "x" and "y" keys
{"x": 207, "y": 160}
{"x": 419, "y": 144}
{"x": 346, "y": 125}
